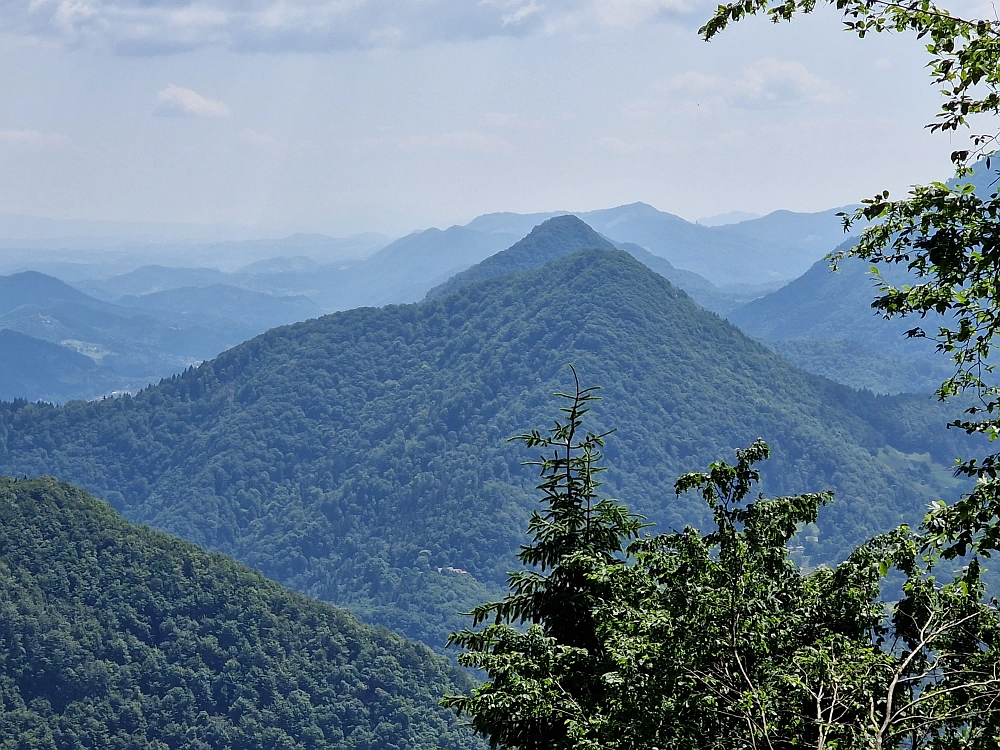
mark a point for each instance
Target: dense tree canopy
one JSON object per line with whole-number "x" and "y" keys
{"x": 115, "y": 637}
{"x": 361, "y": 457}
{"x": 719, "y": 640}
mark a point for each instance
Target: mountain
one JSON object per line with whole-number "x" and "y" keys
{"x": 318, "y": 248}
{"x": 776, "y": 247}
{"x": 812, "y": 234}
{"x": 130, "y": 347}
{"x": 120, "y": 637}
{"x": 550, "y": 240}
{"x": 506, "y": 222}
{"x": 36, "y": 290}
{"x": 404, "y": 270}
{"x": 719, "y": 299}
{"x": 720, "y": 254}
{"x": 246, "y": 312}
{"x": 150, "y": 279}
{"x": 45, "y": 371}
{"x": 339, "y": 274}
{"x": 824, "y": 322}
{"x": 363, "y": 457}
{"x": 561, "y": 235}
{"x": 127, "y": 345}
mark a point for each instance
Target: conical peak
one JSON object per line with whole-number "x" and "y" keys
{"x": 549, "y": 241}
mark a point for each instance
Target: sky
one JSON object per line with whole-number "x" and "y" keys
{"x": 343, "y": 116}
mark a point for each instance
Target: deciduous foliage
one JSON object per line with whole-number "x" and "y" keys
{"x": 947, "y": 236}
{"x": 336, "y": 455}
{"x": 718, "y": 640}
{"x": 121, "y": 638}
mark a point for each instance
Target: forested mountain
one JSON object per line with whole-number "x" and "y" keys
{"x": 36, "y": 290}
{"x": 241, "y": 312}
{"x": 131, "y": 347}
{"x": 119, "y": 637}
{"x": 719, "y": 299}
{"x": 776, "y": 247}
{"x": 123, "y": 346}
{"x": 561, "y": 235}
{"x": 363, "y": 458}
{"x": 549, "y": 241}
{"x": 823, "y": 321}
{"x": 46, "y": 371}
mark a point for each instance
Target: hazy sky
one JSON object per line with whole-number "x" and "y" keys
{"x": 390, "y": 115}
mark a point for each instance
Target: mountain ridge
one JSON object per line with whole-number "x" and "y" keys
{"x": 118, "y": 637}
{"x": 335, "y": 455}
{"x": 816, "y": 319}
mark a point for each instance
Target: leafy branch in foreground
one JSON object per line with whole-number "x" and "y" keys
{"x": 964, "y": 52}
{"x": 947, "y": 237}
{"x": 718, "y": 640}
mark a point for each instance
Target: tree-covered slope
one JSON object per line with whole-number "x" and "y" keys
{"x": 118, "y": 637}
{"x": 559, "y": 236}
{"x": 550, "y": 240}
{"x": 818, "y": 316}
{"x": 44, "y": 370}
{"x": 363, "y": 458}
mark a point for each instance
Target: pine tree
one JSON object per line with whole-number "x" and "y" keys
{"x": 544, "y": 683}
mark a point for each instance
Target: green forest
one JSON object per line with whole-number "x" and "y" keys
{"x": 116, "y": 637}
{"x": 363, "y": 457}
{"x": 535, "y": 480}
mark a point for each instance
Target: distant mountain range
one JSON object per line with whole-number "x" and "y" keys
{"x": 61, "y": 343}
{"x": 776, "y": 247}
{"x": 368, "y": 269}
{"x": 561, "y": 235}
{"x": 363, "y": 457}
{"x": 722, "y": 266}
{"x": 206, "y": 309}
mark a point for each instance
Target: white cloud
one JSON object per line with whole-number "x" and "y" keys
{"x": 175, "y": 100}
{"x": 31, "y": 138}
{"x": 163, "y": 26}
{"x": 628, "y": 14}
{"x": 765, "y": 84}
